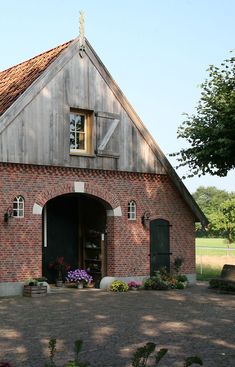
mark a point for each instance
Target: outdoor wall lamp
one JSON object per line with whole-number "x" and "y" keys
{"x": 8, "y": 214}
{"x": 146, "y": 219}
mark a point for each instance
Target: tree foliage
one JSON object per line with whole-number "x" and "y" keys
{"x": 210, "y": 132}
{"x": 219, "y": 207}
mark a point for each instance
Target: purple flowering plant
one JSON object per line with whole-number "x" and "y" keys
{"x": 79, "y": 275}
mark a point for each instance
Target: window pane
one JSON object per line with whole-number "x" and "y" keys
{"x": 80, "y": 123}
{"x": 77, "y": 132}
{"x": 131, "y": 210}
{"x": 18, "y": 207}
{"x": 81, "y": 141}
{"x": 15, "y": 212}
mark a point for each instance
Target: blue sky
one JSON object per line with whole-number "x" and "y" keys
{"x": 156, "y": 50}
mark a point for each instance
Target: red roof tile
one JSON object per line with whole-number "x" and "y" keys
{"x": 14, "y": 81}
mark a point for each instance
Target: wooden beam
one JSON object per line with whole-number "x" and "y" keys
{"x": 107, "y": 115}
{"x": 108, "y": 135}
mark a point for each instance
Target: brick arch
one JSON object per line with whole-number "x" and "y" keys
{"x": 93, "y": 189}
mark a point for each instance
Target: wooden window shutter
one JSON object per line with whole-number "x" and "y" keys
{"x": 107, "y": 134}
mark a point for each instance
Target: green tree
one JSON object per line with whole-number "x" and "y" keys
{"x": 227, "y": 219}
{"x": 210, "y": 132}
{"x": 219, "y": 207}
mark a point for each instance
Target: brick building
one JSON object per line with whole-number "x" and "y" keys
{"x": 82, "y": 178}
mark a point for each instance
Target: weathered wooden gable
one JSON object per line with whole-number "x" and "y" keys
{"x": 36, "y": 128}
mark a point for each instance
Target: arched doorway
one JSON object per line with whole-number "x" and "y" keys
{"x": 159, "y": 245}
{"x": 74, "y": 228}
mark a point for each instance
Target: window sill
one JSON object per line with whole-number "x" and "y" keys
{"x": 81, "y": 154}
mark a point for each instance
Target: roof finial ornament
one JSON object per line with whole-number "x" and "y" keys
{"x": 81, "y": 34}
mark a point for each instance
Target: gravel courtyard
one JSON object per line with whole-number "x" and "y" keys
{"x": 195, "y": 321}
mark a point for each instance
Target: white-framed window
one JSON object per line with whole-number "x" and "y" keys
{"x": 18, "y": 207}
{"x": 80, "y": 132}
{"x": 132, "y": 210}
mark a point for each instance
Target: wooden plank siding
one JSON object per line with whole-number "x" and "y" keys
{"x": 39, "y": 134}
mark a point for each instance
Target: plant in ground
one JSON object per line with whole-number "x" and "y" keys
{"x": 179, "y": 285}
{"x": 52, "y": 349}
{"x": 75, "y": 363}
{"x": 178, "y": 262}
{"x": 222, "y": 285}
{"x": 214, "y": 283}
{"x": 155, "y": 283}
{"x": 142, "y": 354}
{"x": 118, "y": 286}
{"x": 163, "y": 280}
{"x": 139, "y": 359}
{"x": 77, "y": 350}
{"x": 182, "y": 278}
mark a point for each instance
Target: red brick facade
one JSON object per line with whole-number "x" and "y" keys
{"x": 128, "y": 241}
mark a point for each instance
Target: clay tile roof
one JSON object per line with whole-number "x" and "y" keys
{"x": 15, "y": 80}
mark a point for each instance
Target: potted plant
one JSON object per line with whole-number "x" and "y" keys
{"x": 61, "y": 268}
{"x": 33, "y": 288}
{"x": 80, "y": 277}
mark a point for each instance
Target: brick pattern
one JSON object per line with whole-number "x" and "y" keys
{"x": 127, "y": 241}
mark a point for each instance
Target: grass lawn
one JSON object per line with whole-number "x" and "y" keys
{"x": 208, "y": 271}
{"x": 213, "y": 242}
{"x": 210, "y": 261}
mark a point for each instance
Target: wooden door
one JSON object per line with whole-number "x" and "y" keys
{"x": 159, "y": 245}
{"x": 94, "y": 220}
{"x": 62, "y": 234}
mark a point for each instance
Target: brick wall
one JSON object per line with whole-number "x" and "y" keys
{"x": 128, "y": 241}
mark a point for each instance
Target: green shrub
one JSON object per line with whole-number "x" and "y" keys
{"x": 119, "y": 286}
{"x": 214, "y": 283}
{"x": 226, "y": 286}
{"x": 182, "y": 278}
{"x": 222, "y": 285}
{"x": 142, "y": 354}
{"x": 179, "y": 285}
{"x": 163, "y": 280}
{"x": 155, "y": 283}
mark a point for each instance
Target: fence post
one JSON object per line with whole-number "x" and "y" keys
{"x": 201, "y": 261}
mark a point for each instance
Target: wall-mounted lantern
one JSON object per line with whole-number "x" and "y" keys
{"x": 8, "y": 214}
{"x": 146, "y": 219}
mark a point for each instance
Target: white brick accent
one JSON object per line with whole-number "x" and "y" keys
{"x": 117, "y": 212}
{"x": 37, "y": 209}
{"x": 79, "y": 186}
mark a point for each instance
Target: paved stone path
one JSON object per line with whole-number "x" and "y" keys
{"x": 194, "y": 321}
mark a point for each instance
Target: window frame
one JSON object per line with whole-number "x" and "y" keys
{"x": 88, "y": 128}
{"x": 18, "y": 211}
{"x": 132, "y": 210}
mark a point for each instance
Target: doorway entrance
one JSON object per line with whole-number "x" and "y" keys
{"x": 159, "y": 245}
{"x": 74, "y": 228}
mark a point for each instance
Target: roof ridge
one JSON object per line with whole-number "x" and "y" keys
{"x": 34, "y": 57}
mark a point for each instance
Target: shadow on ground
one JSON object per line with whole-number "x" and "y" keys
{"x": 194, "y": 321}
